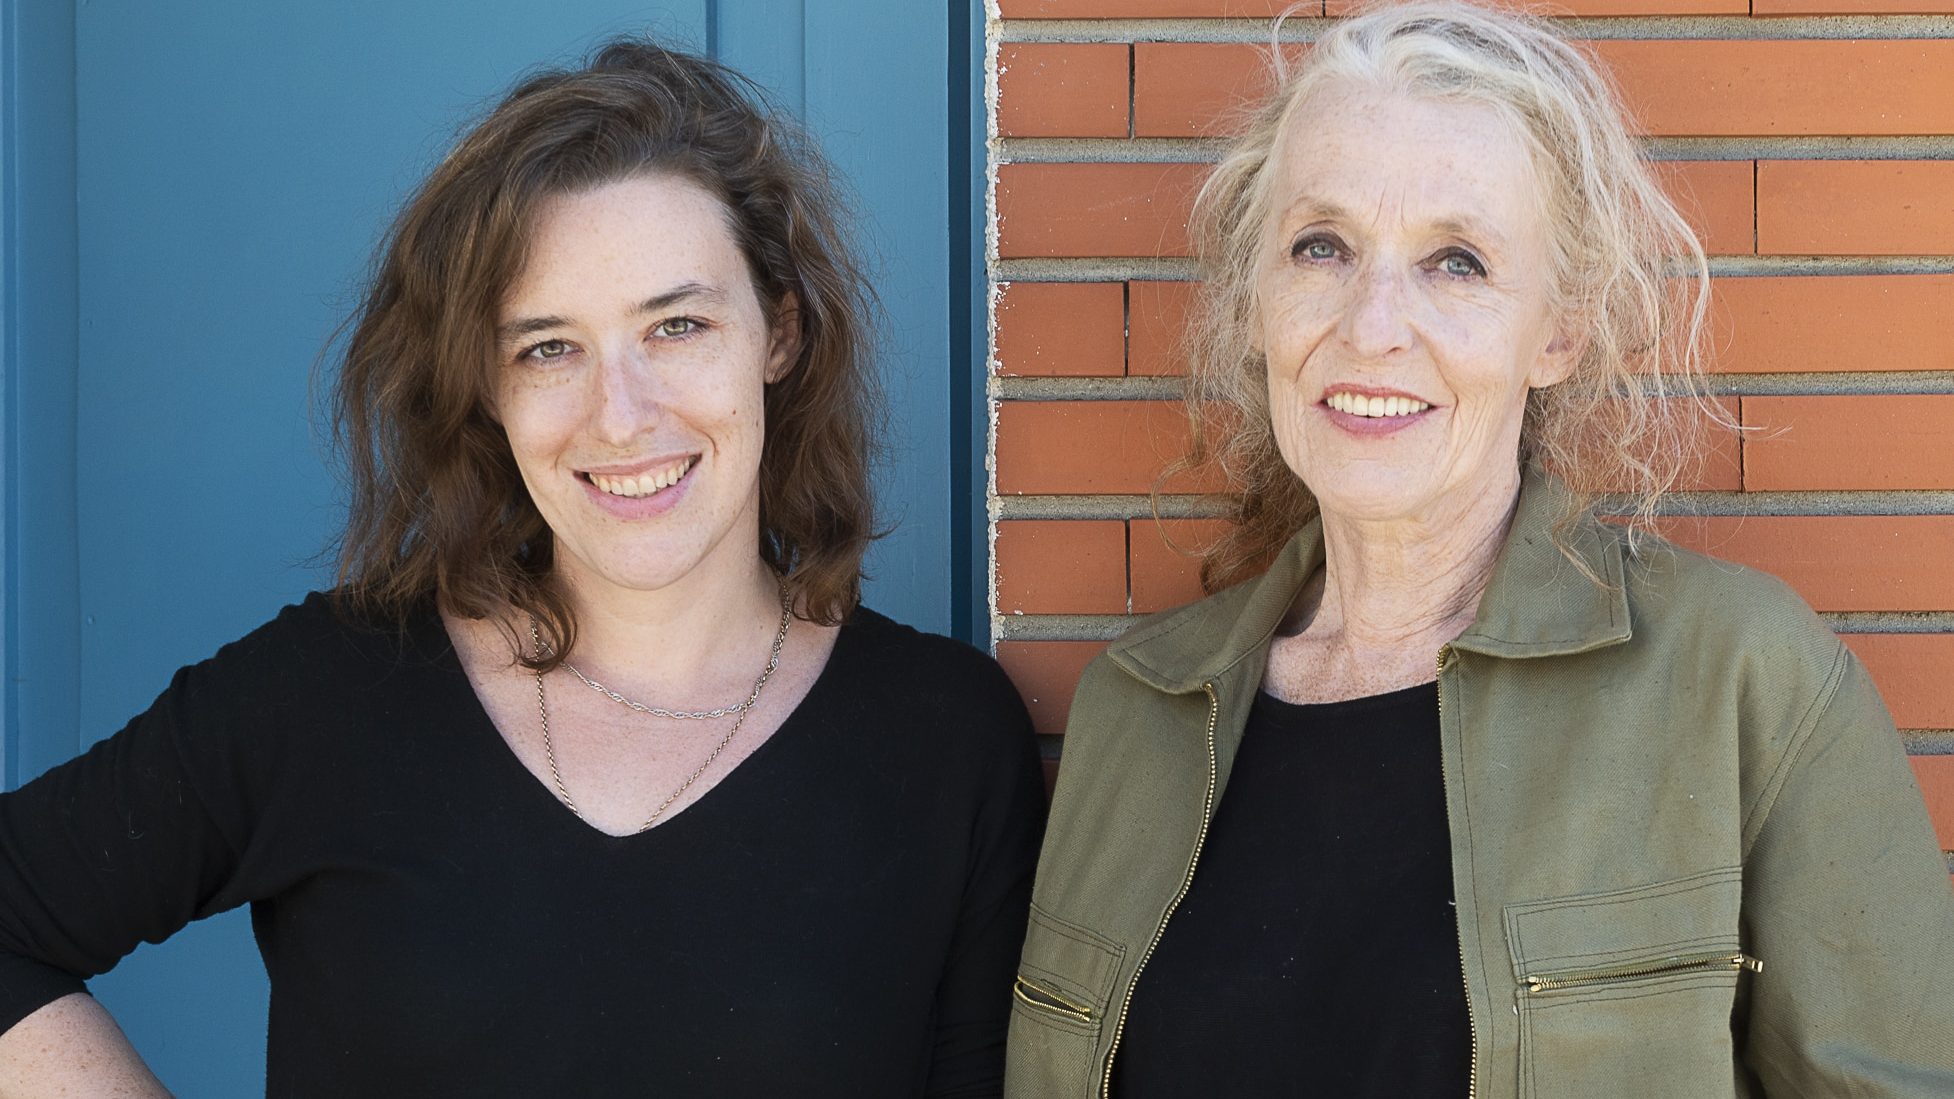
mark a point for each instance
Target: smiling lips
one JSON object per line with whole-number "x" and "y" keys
{"x": 646, "y": 483}
{"x": 1376, "y": 408}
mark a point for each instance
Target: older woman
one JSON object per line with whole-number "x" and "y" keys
{"x": 1469, "y": 792}
{"x": 592, "y": 778}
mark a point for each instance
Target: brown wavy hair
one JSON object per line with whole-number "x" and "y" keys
{"x": 438, "y": 508}
{"x": 1632, "y": 417}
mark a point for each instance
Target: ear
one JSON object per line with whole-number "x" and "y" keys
{"x": 785, "y": 346}
{"x": 1558, "y": 360}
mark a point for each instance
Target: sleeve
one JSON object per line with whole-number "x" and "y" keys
{"x": 1847, "y": 902}
{"x": 127, "y": 842}
{"x": 973, "y": 1001}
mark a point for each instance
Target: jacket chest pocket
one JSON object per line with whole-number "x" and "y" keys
{"x": 1060, "y": 1001}
{"x": 1629, "y": 992}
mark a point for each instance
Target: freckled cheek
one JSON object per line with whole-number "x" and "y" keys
{"x": 538, "y": 427}
{"x": 1291, "y": 348}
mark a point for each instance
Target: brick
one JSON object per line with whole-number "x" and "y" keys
{"x": 1851, "y": 7}
{"x": 1046, "y": 674}
{"x": 1858, "y": 442}
{"x": 1061, "y": 566}
{"x": 1770, "y": 87}
{"x": 1853, "y": 322}
{"x": 1604, "y": 7}
{"x": 1046, "y": 210}
{"x": 1157, "y": 318}
{"x": 1716, "y": 197}
{"x": 1720, "y": 466}
{"x": 1710, "y": 87}
{"x": 1189, "y": 89}
{"x": 1855, "y": 207}
{"x": 1092, "y": 447}
{"x": 1915, "y": 673}
{"x": 1164, "y": 566}
{"x": 1146, "y": 9}
{"x": 1049, "y": 89}
{"x": 1070, "y": 329}
{"x": 1838, "y": 562}
{"x": 1936, "y": 775}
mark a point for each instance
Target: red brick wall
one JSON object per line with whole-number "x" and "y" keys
{"x": 1811, "y": 141}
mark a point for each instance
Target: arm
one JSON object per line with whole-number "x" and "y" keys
{"x": 138, "y": 836}
{"x": 973, "y": 1000}
{"x": 1847, "y": 901}
{"x": 72, "y": 1048}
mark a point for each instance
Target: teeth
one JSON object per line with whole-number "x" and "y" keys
{"x": 1375, "y": 407}
{"x": 643, "y": 484}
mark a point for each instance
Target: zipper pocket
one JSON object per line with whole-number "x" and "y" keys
{"x": 1044, "y": 999}
{"x": 1706, "y": 963}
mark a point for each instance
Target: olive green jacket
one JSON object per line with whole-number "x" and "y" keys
{"x": 1650, "y": 784}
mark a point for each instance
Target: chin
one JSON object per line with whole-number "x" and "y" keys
{"x": 1374, "y": 499}
{"x": 633, "y": 569}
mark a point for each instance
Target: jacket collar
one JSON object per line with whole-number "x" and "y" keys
{"x": 1536, "y": 604}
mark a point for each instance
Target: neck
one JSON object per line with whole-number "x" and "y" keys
{"x": 704, "y": 634}
{"x": 1388, "y": 584}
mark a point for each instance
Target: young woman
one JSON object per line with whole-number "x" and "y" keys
{"x": 591, "y": 777}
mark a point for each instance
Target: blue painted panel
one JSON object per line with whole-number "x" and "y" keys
{"x": 878, "y": 97}
{"x": 237, "y": 161}
{"x": 43, "y": 630}
{"x": 764, "y": 39}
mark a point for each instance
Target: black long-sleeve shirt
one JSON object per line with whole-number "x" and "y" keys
{"x": 840, "y": 915}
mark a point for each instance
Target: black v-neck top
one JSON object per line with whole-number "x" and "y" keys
{"x": 839, "y": 916}
{"x": 1316, "y": 952}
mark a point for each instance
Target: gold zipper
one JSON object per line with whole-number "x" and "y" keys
{"x": 1472, "y": 1025}
{"x": 1045, "y": 999}
{"x": 1665, "y": 967}
{"x": 1207, "y": 811}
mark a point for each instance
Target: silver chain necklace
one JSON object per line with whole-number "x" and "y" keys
{"x": 740, "y": 708}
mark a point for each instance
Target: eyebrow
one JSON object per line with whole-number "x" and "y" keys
{"x": 684, "y": 292}
{"x": 1458, "y": 225}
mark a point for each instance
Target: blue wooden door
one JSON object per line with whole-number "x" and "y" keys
{"x": 191, "y": 203}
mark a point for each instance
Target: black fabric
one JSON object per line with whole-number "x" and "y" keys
{"x": 1316, "y": 952}
{"x": 840, "y": 916}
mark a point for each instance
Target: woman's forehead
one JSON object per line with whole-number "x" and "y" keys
{"x": 1370, "y": 156}
{"x": 628, "y": 238}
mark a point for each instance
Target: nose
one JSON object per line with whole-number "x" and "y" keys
{"x": 1377, "y": 318}
{"x": 627, "y": 398}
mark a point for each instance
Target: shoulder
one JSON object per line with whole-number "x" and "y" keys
{"x": 268, "y": 709}
{"x": 899, "y": 665}
{"x": 318, "y": 645}
{"x": 932, "y": 710}
{"x": 899, "y": 646}
{"x": 1703, "y": 606}
{"x": 1745, "y": 653}
{"x": 1131, "y": 683}
{"x": 1202, "y": 625}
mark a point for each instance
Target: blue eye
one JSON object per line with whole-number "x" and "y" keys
{"x": 1318, "y": 249}
{"x": 1461, "y": 264}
